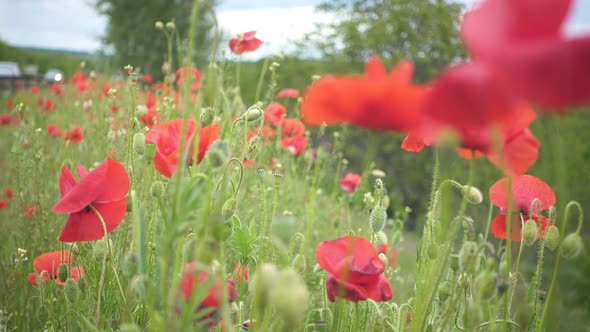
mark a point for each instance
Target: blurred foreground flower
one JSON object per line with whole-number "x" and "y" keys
{"x": 245, "y": 42}
{"x": 350, "y": 182}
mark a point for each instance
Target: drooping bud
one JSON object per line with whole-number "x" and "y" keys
{"x": 218, "y": 153}
{"x": 157, "y": 189}
{"x": 572, "y": 246}
{"x": 139, "y": 143}
{"x": 290, "y": 297}
{"x": 62, "y": 272}
{"x": 444, "y": 291}
{"x": 552, "y": 237}
{"x": 471, "y": 316}
{"x": 472, "y": 194}
{"x": 170, "y": 26}
{"x": 189, "y": 247}
{"x": 467, "y": 254}
{"x": 71, "y": 290}
{"x": 299, "y": 263}
{"x": 229, "y": 207}
{"x": 296, "y": 243}
{"x": 253, "y": 147}
{"x": 207, "y": 116}
{"x": 377, "y": 218}
{"x": 252, "y": 114}
{"x": 529, "y": 232}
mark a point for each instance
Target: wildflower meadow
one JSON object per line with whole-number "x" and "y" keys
{"x": 132, "y": 202}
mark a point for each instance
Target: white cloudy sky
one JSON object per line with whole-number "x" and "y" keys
{"x": 74, "y": 24}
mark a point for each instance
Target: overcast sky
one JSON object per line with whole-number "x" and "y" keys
{"x": 75, "y": 25}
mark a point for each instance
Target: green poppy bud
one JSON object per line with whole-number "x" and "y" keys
{"x": 253, "y": 147}
{"x": 218, "y": 153}
{"x": 229, "y": 207}
{"x": 444, "y": 291}
{"x": 486, "y": 284}
{"x": 157, "y": 189}
{"x": 290, "y": 297}
{"x": 100, "y": 249}
{"x": 71, "y": 290}
{"x": 377, "y": 218}
{"x": 207, "y": 116}
{"x": 139, "y": 143}
{"x": 472, "y": 194}
{"x": 62, "y": 272}
{"x": 384, "y": 260}
{"x": 252, "y": 114}
{"x": 299, "y": 263}
{"x": 572, "y": 246}
{"x": 454, "y": 263}
{"x": 552, "y": 237}
{"x": 529, "y": 232}
{"x": 467, "y": 254}
{"x": 327, "y": 316}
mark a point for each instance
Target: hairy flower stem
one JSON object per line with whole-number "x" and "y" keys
{"x": 104, "y": 264}
{"x": 541, "y": 325}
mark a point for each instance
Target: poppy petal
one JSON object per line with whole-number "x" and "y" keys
{"x": 519, "y": 154}
{"x": 50, "y": 262}
{"x": 207, "y": 135}
{"x": 525, "y": 188}
{"x": 66, "y": 181}
{"x": 352, "y": 257}
{"x": 118, "y": 183}
{"x": 86, "y": 226}
{"x": 499, "y": 229}
{"x": 84, "y": 192}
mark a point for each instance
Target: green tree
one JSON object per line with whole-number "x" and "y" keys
{"x": 424, "y": 31}
{"x": 132, "y": 37}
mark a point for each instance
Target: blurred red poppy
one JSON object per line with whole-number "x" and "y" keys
{"x": 104, "y": 189}
{"x": 8, "y": 193}
{"x": 350, "y": 182}
{"x": 288, "y": 93}
{"x": 53, "y": 130}
{"x": 34, "y": 90}
{"x": 375, "y": 100}
{"x": 525, "y": 189}
{"x": 55, "y": 88}
{"x": 182, "y": 74}
{"x": 192, "y": 277}
{"x": 5, "y": 119}
{"x": 3, "y": 204}
{"x": 525, "y": 44}
{"x": 147, "y": 78}
{"x": 246, "y": 42}
{"x": 29, "y": 210}
{"x": 291, "y": 128}
{"x": 274, "y": 114}
{"x": 294, "y": 144}
{"x": 166, "y": 137}
{"x": 74, "y": 135}
{"x": 46, "y": 266}
{"x": 355, "y": 272}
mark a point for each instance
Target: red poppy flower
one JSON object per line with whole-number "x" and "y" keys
{"x": 48, "y": 105}
{"x": 53, "y": 130}
{"x": 288, "y": 93}
{"x": 469, "y": 100}
{"x": 147, "y": 78}
{"x": 8, "y": 193}
{"x": 375, "y": 100}
{"x": 182, "y": 74}
{"x": 241, "y": 273}
{"x": 350, "y": 182}
{"x": 34, "y": 90}
{"x": 151, "y": 118}
{"x": 525, "y": 44}
{"x": 9, "y": 104}
{"x": 292, "y": 128}
{"x": 74, "y": 135}
{"x": 2, "y": 204}
{"x": 355, "y": 272}
{"x": 166, "y": 137}
{"x": 55, "y": 88}
{"x": 192, "y": 278}
{"x": 274, "y": 114}
{"x": 5, "y": 119}
{"x": 294, "y": 144}
{"x": 525, "y": 189}
{"x": 103, "y": 189}
{"x": 46, "y": 266}
{"x": 29, "y": 211}
{"x": 245, "y": 42}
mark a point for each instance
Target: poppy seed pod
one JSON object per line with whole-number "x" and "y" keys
{"x": 552, "y": 237}
{"x": 377, "y": 218}
{"x": 71, "y": 290}
{"x": 139, "y": 143}
{"x": 62, "y": 272}
{"x": 571, "y": 246}
{"x": 472, "y": 194}
{"x": 529, "y": 232}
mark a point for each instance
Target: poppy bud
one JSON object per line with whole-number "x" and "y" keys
{"x": 327, "y": 316}
{"x": 524, "y": 315}
{"x": 218, "y": 153}
{"x": 471, "y": 316}
{"x": 444, "y": 291}
{"x": 486, "y": 284}
{"x": 253, "y": 147}
{"x": 100, "y": 249}
{"x": 170, "y": 26}
{"x": 454, "y": 263}
{"x": 552, "y": 237}
{"x": 571, "y": 246}
{"x": 529, "y": 232}
{"x": 139, "y": 143}
{"x": 467, "y": 253}
{"x": 130, "y": 264}
{"x": 159, "y": 25}
{"x": 290, "y": 297}
{"x": 377, "y": 218}
{"x": 299, "y": 263}
{"x": 157, "y": 189}
{"x": 382, "y": 238}
{"x": 296, "y": 243}
{"x": 229, "y": 207}
{"x": 82, "y": 284}
{"x": 252, "y": 114}
{"x": 472, "y": 194}
{"x": 207, "y": 117}
{"x": 62, "y": 272}
{"x": 71, "y": 290}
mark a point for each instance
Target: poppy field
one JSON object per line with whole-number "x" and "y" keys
{"x": 134, "y": 204}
